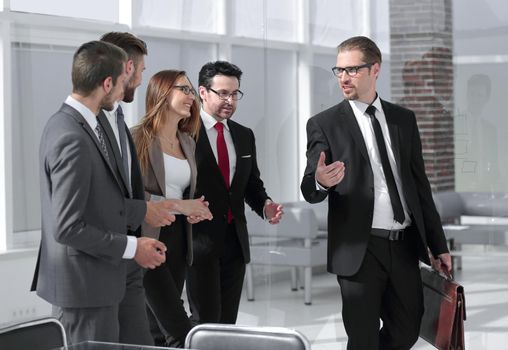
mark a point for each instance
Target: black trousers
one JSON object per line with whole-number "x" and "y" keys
{"x": 214, "y": 285}
{"x": 387, "y": 287}
{"x": 164, "y": 286}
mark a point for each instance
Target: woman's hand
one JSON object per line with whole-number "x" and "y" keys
{"x": 196, "y": 210}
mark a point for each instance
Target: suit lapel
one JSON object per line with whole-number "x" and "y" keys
{"x": 110, "y": 135}
{"x": 236, "y": 143}
{"x": 79, "y": 118}
{"x": 157, "y": 163}
{"x": 393, "y": 129}
{"x": 206, "y": 155}
{"x": 354, "y": 129}
{"x": 188, "y": 149}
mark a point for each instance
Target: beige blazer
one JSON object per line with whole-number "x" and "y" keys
{"x": 155, "y": 184}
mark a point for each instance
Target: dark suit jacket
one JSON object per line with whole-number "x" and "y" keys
{"x": 138, "y": 194}
{"x": 155, "y": 182}
{"x": 246, "y": 186}
{"x": 85, "y": 217}
{"x": 351, "y": 202}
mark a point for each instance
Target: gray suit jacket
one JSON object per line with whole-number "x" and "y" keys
{"x": 154, "y": 179}
{"x": 84, "y": 217}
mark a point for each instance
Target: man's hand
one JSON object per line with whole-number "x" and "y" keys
{"x": 195, "y": 208}
{"x": 443, "y": 263}
{"x": 329, "y": 175}
{"x": 158, "y": 213}
{"x": 150, "y": 253}
{"x": 273, "y": 212}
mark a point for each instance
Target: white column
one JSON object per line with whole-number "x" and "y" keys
{"x": 304, "y": 63}
{"x": 5, "y": 137}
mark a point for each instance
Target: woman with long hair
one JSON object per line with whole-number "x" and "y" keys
{"x": 165, "y": 141}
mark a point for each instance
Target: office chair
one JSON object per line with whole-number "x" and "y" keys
{"x": 230, "y": 337}
{"x": 42, "y": 334}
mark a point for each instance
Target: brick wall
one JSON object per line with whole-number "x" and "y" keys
{"x": 422, "y": 79}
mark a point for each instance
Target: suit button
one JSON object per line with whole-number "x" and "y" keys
{"x": 122, "y": 213}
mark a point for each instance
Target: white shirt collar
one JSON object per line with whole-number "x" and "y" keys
{"x": 362, "y": 107}
{"x": 89, "y": 116}
{"x": 209, "y": 121}
{"x": 111, "y": 115}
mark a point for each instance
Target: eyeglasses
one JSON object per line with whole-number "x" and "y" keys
{"x": 186, "y": 89}
{"x": 351, "y": 71}
{"x": 223, "y": 95}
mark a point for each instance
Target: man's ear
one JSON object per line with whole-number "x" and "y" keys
{"x": 202, "y": 92}
{"x": 129, "y": 67}
{"x": 376, "y": 69}
{"x": 107, "y": 84}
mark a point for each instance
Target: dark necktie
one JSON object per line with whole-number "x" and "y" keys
{"x": 102, "y": 141}
{"x": 122, "y": 133}
{"x": 223, "y": 159}
{"x": 398, "y": 211}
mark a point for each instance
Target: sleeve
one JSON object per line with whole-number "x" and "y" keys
{"x": 434, "y": 233}
{"x": 316, "y": 143}
{"x": 255, "y": 193}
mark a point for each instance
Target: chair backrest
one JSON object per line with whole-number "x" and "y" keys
{"x": 449, "y": 205}
{"x": 42, "y": 334}
{"x": 232, "y": 337}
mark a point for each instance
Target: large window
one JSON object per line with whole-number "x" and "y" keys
{"x": 481, "y": 73}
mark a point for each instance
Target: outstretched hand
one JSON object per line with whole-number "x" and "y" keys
{"x": 329, "y": 175}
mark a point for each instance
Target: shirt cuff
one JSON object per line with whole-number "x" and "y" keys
{"x": 320, "y": 188}
{"x": 130, "y": 249}
{"x": 264, "y": 208}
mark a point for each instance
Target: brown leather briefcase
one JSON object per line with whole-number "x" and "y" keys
{"x": 445, "y": 311}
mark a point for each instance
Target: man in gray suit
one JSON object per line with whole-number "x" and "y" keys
{"x": 134, "y": 325}
{"x": 85, "y": 214}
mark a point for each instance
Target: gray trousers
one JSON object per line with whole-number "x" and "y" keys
{"x": 126, "y": 322}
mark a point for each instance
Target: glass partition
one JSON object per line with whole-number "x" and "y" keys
{"x": 286, "y": 79}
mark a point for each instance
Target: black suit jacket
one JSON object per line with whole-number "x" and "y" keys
{"x": 351, "y": 202}
{"x": 246, "y": 186}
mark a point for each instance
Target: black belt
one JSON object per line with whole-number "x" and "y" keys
{"x": 391, "y": 235}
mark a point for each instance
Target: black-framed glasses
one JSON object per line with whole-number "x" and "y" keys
{"x": 223, "y": 95}
{"x": 186, "y": 89}
{"x": 351, "y": 71}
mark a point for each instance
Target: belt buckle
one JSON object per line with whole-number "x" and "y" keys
{"x": 395, "y": 235}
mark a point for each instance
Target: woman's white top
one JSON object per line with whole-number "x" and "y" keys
{"x": 178, "y": 176}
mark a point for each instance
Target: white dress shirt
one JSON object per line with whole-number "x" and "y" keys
{"x": 209, "y": 123}
{"x": 383, "y": 212}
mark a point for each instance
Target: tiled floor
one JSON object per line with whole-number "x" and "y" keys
{"x": 485, "y": 280}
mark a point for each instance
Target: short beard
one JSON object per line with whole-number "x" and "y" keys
{"x": 128, "y": 95}
{"x": 107, "y": 103}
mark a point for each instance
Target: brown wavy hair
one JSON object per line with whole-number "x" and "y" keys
{"x": 159, "y": 87}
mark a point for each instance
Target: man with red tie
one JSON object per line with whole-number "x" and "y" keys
{"x": 228, "y": 176}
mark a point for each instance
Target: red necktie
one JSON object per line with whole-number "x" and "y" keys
{"x": 223, "y": 160}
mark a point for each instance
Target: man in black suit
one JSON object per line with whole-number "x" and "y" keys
{"x": 228, "y": 175}
{"x": 365, "y": 155}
